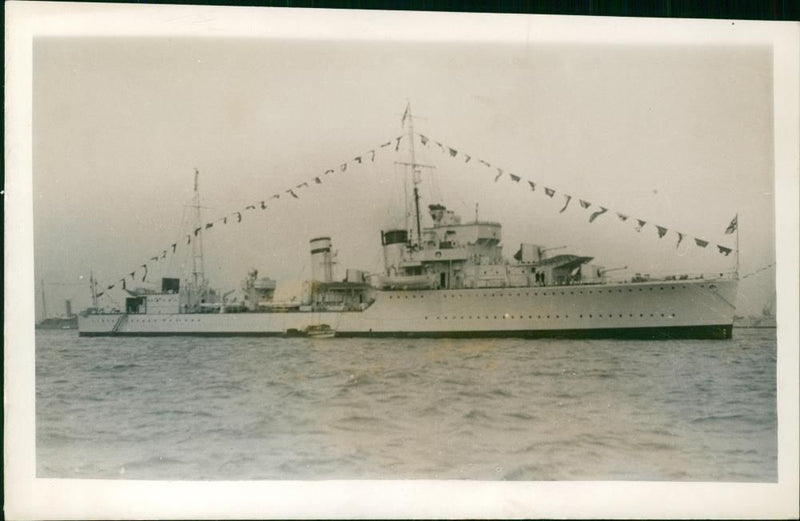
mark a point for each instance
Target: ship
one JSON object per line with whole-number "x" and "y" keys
{"x": 446, "y": 278}
{"x": 68, "y": 320}
{"x": 766, "y": 320}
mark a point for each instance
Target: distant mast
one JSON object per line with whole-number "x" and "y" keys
{"x": 198, "y": 272}
{"x": 93, "y": 288}
{"x": 737, "y": 245}
{"x": 44, "y": 302}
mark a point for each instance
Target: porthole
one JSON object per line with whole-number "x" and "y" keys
{"x": 580, "y": 316}
{"x": 590, "y": 316}
{"x": 641, "y": 315}
{"x": 548, "y": 316}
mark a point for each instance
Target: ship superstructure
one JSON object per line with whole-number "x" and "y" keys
{"x": 445, "y": 278}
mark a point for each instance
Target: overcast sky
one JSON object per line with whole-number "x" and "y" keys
{"x": 679, "y": 136}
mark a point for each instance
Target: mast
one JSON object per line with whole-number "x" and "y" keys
{"x": 737, "y": 245}
{"x": 198, "y": 272}
{"x": 93, "y": 288}
{"x": 415, "y": 173}
{"x": 44, "y": 302}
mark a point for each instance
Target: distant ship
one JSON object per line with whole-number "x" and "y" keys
{"x": 66, "y": 321}
{"x": 766, "y": 320}
{"x": 447, "y": 279}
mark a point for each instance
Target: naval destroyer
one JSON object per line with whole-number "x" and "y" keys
{"x": 448, "y": 278}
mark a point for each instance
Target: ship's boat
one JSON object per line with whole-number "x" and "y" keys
{"x": 448, "y": 278}
{"x": 427, "y": 281}
{"x": 320, "y": 331}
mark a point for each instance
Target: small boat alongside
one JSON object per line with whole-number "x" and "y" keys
{"x": 320, "y": 331}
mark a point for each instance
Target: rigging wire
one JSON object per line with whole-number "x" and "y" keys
{"x": 759, "y": 270}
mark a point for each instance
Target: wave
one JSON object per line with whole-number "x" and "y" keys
{"x": 181, "y": 412}
{"x": 476, "y": 414}
{"x": 117, "y": 368}
{"x": 520, "y": 416}
{"x": 719, "y": 417}
{"x": 357, "y": 418}
{"x": 153, "y": 462}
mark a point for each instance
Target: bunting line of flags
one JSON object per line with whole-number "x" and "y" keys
{"x": 237, "y": 216}
{"x": 597, "y": 210}
{"x": 449, "y": 151}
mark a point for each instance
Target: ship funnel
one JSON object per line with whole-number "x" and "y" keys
{"x": 321, "y": 261}
{"x": 394, "y": 245}
{"x": 68, "y": 306}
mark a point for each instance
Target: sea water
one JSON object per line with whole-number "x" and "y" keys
{"x": 187, "y": 408}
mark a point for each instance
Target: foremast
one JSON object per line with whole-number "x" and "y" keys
{"x": 415, "y": 240}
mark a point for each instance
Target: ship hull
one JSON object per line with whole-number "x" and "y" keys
{"x": 652, "y": 310}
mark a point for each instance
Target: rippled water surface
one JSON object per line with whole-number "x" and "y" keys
{"x": 275, "y": 408}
